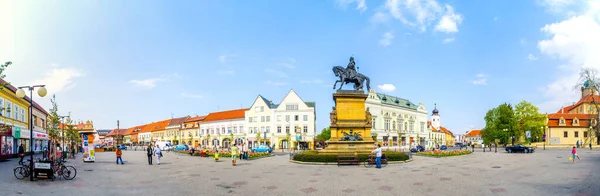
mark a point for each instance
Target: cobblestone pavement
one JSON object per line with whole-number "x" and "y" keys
{"x": 542, "y": 173}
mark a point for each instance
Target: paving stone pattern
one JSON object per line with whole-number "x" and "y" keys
{"x": 540, "y": 173}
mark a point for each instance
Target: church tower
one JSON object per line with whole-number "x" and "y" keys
{"x": 589, "y": 88}
{"x": 435, "y": 118}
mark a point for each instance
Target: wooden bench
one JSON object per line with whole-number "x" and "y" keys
{"x": 349, "y": 160}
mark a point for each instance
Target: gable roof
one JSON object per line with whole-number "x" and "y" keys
{"x": 569, "y": 116}
{"x": 226, "y": 115}
{"x": 178, "y": 121}
{"x": 132, "y": 130}
{"x": 446, "y": 130}
{"x": 115, "y": 131}
{"x": 196, "y": 118}
{"x": 14, "y": 90}
{"x": 156, "y": 126}
{"x": 473, "y": 133}
{"x": 308, "y": 104}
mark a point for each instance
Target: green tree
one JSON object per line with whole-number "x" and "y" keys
{"x": 325, "y": 134}
{"x": 53, "y": 121}
{"x": 500, "y": 123}
{"x": 529, "y": 119}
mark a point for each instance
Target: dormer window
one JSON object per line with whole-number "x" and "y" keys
{"x": 561, "y": 121}
{"x": 575, "y": 121}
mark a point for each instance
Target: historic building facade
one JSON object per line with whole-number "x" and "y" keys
{"x": 397, "y": 122}
{"x": 289, "y": 124}
{"x": 191, "y": 130}
{"x": 474, "y": 137}
{"x": 575, "y": 122}
{"x": 173, "y": 132}
{"x": 439, "y": 134}
{"x": 221, "y": 129}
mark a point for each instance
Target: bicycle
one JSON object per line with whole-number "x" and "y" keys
{"x": 22, "y": 171}
{"x": 67, "y": 172}
{"x": 371, "y": 161}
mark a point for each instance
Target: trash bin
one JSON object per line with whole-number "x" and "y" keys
{"x": 43, "y": 169}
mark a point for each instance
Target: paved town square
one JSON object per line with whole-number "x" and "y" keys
{"x": 546, "y": 172}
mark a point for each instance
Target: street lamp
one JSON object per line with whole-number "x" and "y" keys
{"x": 63, "y": 133}
{"x": 21, "y": 94}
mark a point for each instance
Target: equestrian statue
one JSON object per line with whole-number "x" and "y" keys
{"x": 349, "y": 75}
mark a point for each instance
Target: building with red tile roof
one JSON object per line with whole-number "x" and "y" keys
{"x": 474, "y": 137}
{"x": 218, "y": 128}
{"x": 131, "y": 135}
{"x": 574, "y": 123}
{"x": 191, "y": 130}
{"x": 145, "y": 135}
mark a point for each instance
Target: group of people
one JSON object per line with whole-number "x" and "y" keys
{"x": 154, "y": 152}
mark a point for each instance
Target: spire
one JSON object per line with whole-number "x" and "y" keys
{"x": 435, "y": 110}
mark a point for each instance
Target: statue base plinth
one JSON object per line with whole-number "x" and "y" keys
{"x": 348, "y": 147}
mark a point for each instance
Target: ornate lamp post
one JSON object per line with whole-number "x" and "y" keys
{"x": 21, "y": 94}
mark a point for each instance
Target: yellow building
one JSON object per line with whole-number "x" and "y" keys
{"x": 173, "y": 133}
{"x": 574, "y": 123}
{"x": 191, "y": 129}
{"x": 14, "y": 119}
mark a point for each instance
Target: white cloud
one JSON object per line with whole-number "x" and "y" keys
{"x": 148, "y": 83}
{"x": 379, "y": 17}
{"x": 315, "y": 81}
{"x": 290, "y": 63}
{"x": 481, "y": 79}
{"x": 448, "y": 40}
{"x": 195, "y": 96}
{"x": 59, "y": 79}
{"x": 387, "y": 87}
{"x": 272, "y": 83}
{"x": 276, "y": 73}
{"x": 361, "y": 5}
{"x": 423, "y": 13}
{"x": 449, "y": 21}
{"x": 575, "y": 41}
{"x": 531, "y": 57}
{"x": 386, "y": 39}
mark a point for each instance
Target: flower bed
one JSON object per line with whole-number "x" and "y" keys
{"x": 313, "y": 156}
{"x": 445, "y": 153}
{"x": 210, "y": 153}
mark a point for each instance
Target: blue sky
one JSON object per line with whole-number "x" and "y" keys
{"x": 141, "y": 61}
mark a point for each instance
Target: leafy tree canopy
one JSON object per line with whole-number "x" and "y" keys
{"x": 325, "y": 134}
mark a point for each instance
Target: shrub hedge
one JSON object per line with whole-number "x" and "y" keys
{"x": 313, "y": 156}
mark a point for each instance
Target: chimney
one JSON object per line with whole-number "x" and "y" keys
{"x": 563, "y": 109}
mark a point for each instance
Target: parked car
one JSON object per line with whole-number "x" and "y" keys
{"x": 122, "y": 147}
{"x": 519, "y": 148}
{"x": 182, "y": 147}
{"x": 262, "y": 148}
{"x": 417, "y": 148}
{"x": 444, "y": 147}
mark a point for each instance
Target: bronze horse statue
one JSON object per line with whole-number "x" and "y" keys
{"x": 357, "y": 79}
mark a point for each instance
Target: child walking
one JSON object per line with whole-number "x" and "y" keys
{"x": 574, "y": 154}
{"x": 119, "y": 153}
{"x": 234, "y": 153}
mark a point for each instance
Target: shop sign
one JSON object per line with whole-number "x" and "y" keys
{"x": 38, "y": 135}
{"x": 17, "y": 132}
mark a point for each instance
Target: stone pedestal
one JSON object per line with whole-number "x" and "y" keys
{"x": 350, "y": 117}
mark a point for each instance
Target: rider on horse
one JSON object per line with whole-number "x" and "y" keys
{"x": 351, "y": 68}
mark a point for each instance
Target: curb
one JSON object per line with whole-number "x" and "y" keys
{"x": 335, "y": 163}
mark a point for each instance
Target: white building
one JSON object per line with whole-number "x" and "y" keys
{"x": 223, "y": 128}
{"x": 285, "y": 125}
{"x": 437, "y": 133}
{"x": 397, "y": 122}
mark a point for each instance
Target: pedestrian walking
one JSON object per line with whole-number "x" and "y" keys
{"x": 158, "y": 153}
{"x": 45, "y": 153}
{"x": 149, "y": 153}
{"x": 119, "y": 153}
{"x": 234, "y": 153}
{"x": 245, "y": 151}
{"x": 377, "y": 156}
{"x": 577, "y": 143}
{"x": 21, "y": 152}
{"x": 574, "y": 154}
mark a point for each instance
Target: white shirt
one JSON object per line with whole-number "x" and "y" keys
{"x": 378, "y": 151}
{"x": 157, "y": 151}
